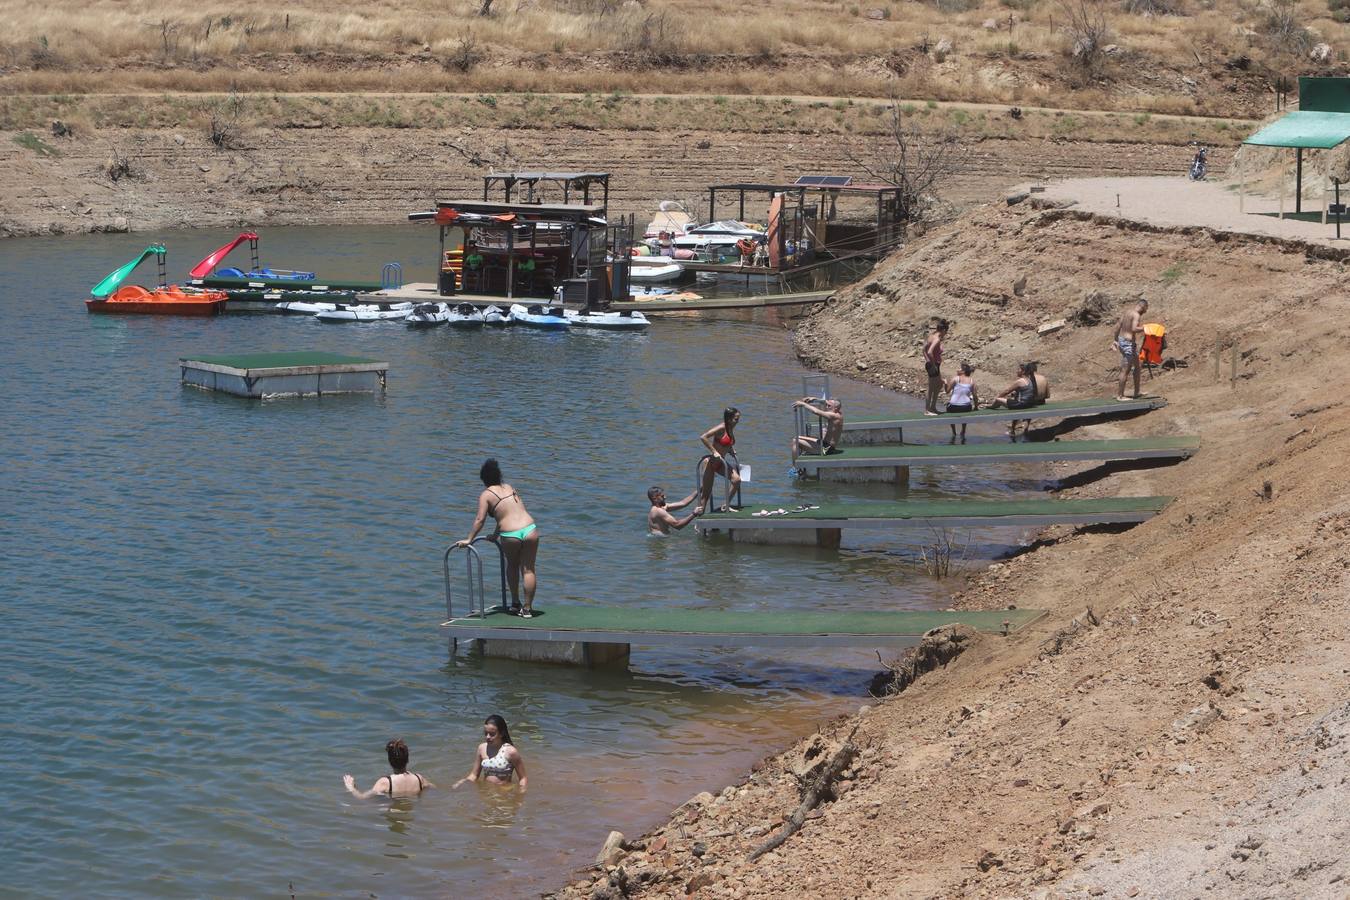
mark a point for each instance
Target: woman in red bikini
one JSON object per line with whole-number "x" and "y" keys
{"x": 721, "y": 443}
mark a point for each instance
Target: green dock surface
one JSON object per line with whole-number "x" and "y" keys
{"x": 712, "y": 627}
{"x": 1171, "y": 447}
{"x": 943, "y": 513}
{"x": 281, "y": 360}
{"x": 1066, "y": 409}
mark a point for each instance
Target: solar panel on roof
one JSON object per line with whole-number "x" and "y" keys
{"x": 823, "y": 181}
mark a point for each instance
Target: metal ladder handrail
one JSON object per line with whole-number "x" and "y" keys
{"x": 473, "y": 562}
{"x": 391, "y": 276}
{"x": 815, "y": 387}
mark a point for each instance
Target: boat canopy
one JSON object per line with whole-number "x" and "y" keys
{"x": 114, "y": 280}
{"x": 208, "y": 265}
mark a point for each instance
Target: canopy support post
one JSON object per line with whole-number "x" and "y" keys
{"x": 1298, "y": 180}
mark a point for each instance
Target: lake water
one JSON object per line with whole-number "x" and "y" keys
{"x": 215, "y": 607}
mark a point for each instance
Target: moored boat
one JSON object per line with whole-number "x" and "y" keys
{"x": 495, "y": 315}
{"x": 617, "y": 320}
{"x": 654, "y": 270}
{"x": 536, "y": 315}
{"x": 257, "y": 272}
{"x": 465, "y": 315}
{"x": 111, "y": 296}
{"x": 366, "y": 312}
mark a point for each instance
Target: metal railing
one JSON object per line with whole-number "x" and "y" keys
{"x": 473, "y": 571}
{"x": 391, "y": 276}
{"x": 815, "y": 388}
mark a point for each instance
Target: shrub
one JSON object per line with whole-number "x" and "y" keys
{"x": 1088, "y": 33}
{"x": 1284, "y": 30}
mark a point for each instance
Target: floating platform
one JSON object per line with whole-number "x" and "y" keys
{"x": 823, "y": 525}
{"x": 756, "y": 302}
{"x": 890, "y": 429}
{"x": 885, "y": 462}
{"x": 293, "y": 374}
{"x": 220, "y": 283}
{"x": 726, "y": 628}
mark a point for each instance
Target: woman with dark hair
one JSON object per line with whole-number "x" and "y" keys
{"x": 721, "y": 443}
{"x": 398, "y": 783}
{"x": 516, "y": 535}
{"x": 932, "y": 365}
{"x": 962, "y": 396}
{"x": 497, "y": 759}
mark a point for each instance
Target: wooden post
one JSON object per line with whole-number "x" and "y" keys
{"x": 1298, "y": 180}
{"x": 1218, "y": 354}
{"x": 1232, "y": 375}
{"x": 829, "y": 538}
{"x": 902, "y": 476}
{"x": 510, "y": 260}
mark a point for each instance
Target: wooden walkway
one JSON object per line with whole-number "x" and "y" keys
{"x": 756, "y": 302}
{"x": 1066, "y": 409}
{"x": 942, "y": 514}
{"x": 727, "y": 628}
{"x": 903, "y": 455}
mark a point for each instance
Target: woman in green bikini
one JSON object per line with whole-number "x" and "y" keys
{"x": 516, "y": 534}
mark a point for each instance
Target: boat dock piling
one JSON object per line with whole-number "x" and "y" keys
{"x": 291, "y": 374}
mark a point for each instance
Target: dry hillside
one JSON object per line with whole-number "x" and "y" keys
{"x": 1178, "y": 725}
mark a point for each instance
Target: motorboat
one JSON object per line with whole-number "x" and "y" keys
{"x": 495, "y": 315}
{"x": 310, "y": 307}
{"x": 464, "y": 315}
{"x": 654, "y": 270}
{"x": 536, "y": 315}
{"x": 112, "y": 296}
{"x": 427, "y": 314}
{"x": 617, "y": 320}
{"x": 717, "y": 238}
{"x": 365, "y": 312}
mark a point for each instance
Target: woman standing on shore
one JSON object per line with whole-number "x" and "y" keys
{"x": 497, "y": 758}
{"x": 517, "y": 536}
{"x": 721, "y": 443}
{"x": 932, "y": 365}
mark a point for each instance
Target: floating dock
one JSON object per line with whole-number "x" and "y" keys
{"x": 759, "y": 301}
{"x": 890, "y": 429}
{"x": 221, "y": 283}
{"x": 623, "y": 626}
{"x": 822, "y": 525}
{"x": 293, "y": 374}
{"x": 885, "y": 462}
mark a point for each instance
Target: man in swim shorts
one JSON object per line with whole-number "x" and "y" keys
{"x": 1129, "y": 337}
{"x": 831, "y": 413}
{"x": 659, "y": 519}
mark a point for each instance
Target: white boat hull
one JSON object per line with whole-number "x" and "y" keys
{"x": 613, "y": 321}
{"x": 521, "y": 315}
{"x": 654, "y": 273}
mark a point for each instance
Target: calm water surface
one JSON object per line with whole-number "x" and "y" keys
{"x": 214, "y": 607}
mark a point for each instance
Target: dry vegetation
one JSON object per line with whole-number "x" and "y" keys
{"x": 1211, "y": 56}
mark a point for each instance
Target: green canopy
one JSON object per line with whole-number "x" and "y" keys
{"x": 1304, "y": 128}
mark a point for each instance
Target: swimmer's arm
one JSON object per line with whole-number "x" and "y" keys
{"x": 350, "y": 784}
{"x": 677, "y": 524}
{"x": 474, "y": 772}
{"x": 478, "y": 520}
{"x": 519, "y": 765}
{"x": 708, "y": 436}
{"x": 683, "y": 503}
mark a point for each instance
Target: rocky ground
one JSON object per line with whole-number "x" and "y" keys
{"x": 1176, "y": 726}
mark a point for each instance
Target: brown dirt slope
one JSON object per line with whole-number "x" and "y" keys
{"x": 1189, "y": 737}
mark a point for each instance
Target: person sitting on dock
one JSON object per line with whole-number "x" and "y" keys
{"x": 497, "y": 758}
{"x": 659, "y": 518}
{"x": 962, "y": 395}
{"x": 1028, "y": 390}
{"x": 832, "y": 412}
{"x": 932, "y": 365}
{"x": 517, "y": 536}
{"x": 1129, "y": 338}
{"x": 721, "y": 460}
{"x": 399, "y": 783}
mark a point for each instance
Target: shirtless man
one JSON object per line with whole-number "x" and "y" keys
{"x": 832, "y": 411}
{"x": 659, "y": 519}
{"x": 1129, "y": 338}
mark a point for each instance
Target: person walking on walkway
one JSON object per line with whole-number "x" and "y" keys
{"x": 1129, "y": 338}
{"x": 932, "y": 365}
{"x": 517, "y": 536}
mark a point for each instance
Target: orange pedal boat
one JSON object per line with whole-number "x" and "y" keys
{"x": 109, "y": 296}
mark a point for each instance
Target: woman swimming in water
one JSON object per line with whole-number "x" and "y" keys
{"x": 721, "y": 443}
{"x": 398, "y": 783}
{"x": 517, "y": 535}
{"x": 497, "y": 758}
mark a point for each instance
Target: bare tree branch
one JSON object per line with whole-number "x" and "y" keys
{"x": 918, "y": 163}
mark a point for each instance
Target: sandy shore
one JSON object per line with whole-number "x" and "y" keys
{"x": 1177, "y": 726}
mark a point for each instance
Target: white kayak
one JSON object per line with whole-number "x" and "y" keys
{"x": 495, "y": 315}
{"x": 658, "y": 270}
{"x": 624, "y": 320}
{"x": 366, "y": 312}
{"x": 310, "y": 307}
{"x": 536, "y": 315}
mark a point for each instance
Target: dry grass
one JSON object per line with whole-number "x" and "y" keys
{"x": 1013, "y": 51}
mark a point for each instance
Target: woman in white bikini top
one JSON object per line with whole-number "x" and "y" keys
{"x": 497, "y": 758}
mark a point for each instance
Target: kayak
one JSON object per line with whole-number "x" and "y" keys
{"x": 465, "y": 315}
{"x": 495, "y": 315}
{"x": 310, "y": 307}
{"x": 624, "y": 320}
{"x": 536, "y": 315}
{"x": 365, "y": 312}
